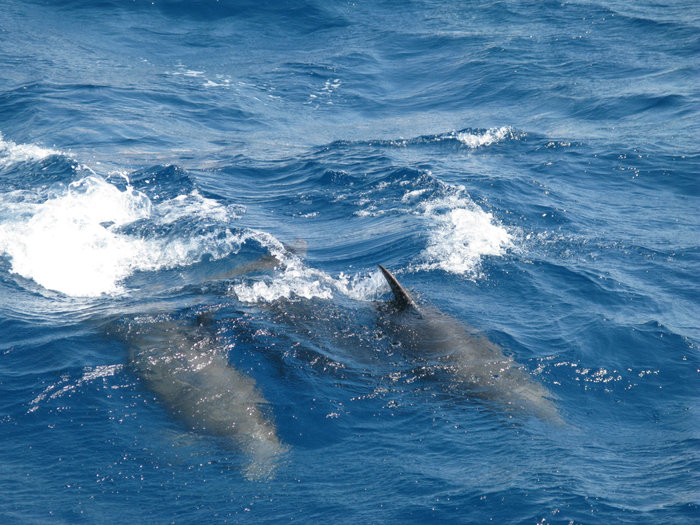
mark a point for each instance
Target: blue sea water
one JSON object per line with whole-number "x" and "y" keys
{"x": 531, "y": 169}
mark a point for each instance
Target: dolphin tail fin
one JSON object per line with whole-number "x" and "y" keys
{"x": 401, "y": 297}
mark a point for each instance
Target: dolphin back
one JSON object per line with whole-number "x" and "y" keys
{"x": 473, "y": 361}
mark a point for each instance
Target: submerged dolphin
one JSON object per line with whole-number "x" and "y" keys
{"x": 183, "y": 364}
{"x": 186, "y": 368}
{"x": 473, "y": 361}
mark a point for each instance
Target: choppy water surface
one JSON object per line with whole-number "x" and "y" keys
{"x": 193, "y": 203}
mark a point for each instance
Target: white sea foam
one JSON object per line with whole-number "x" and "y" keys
{"x": 297, "y": 280}
{"x": 294, "y": 281}
{"x": 461, "y": 234}
{"x": 72, "y": 243}
{"x": 65, "y": 246}
{"x": 486, "y": 138}
{"x": 361, "y": 287}
{"x": 11, "y": 152}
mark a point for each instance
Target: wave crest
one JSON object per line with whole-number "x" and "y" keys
{"x": 12, "y": 153}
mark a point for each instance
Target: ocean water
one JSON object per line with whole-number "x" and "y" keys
{"x": 194, "y": 198}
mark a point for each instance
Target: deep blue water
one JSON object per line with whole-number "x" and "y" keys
{"x": 531, "y": 169}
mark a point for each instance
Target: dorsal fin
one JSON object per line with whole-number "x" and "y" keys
{"x": 401, "y": 297}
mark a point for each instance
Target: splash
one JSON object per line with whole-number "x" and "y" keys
{"x": 11, "y": 152}
{"x": 461, "y": 235}
{"x": 459, "y": 232}
{"x": 74, "y": 242}
{"x": 66, "y": 245}
{"x": 486, "y": 138}
{"x": 295, "y": 280}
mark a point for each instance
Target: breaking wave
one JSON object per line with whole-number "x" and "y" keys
{"x": 11, "y": 152}
{"x": 461, "y": 235}
{"x": 85, "y": 237}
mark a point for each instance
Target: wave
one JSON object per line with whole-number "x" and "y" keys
{"x": 84, "y": 238}
{"x": 477, "y": 139}
{"x": 87, "y": 238}
{"x": 304, "y": 17}
{"x": 461, "y": 235}
{"x": 469, "y": 138}
{"x": 13, "y": 153}
{"x": 85, "y": 234}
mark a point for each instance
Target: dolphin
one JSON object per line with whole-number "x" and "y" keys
{"x": 184, "y": 365}
{"x": 475, "y": 363}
